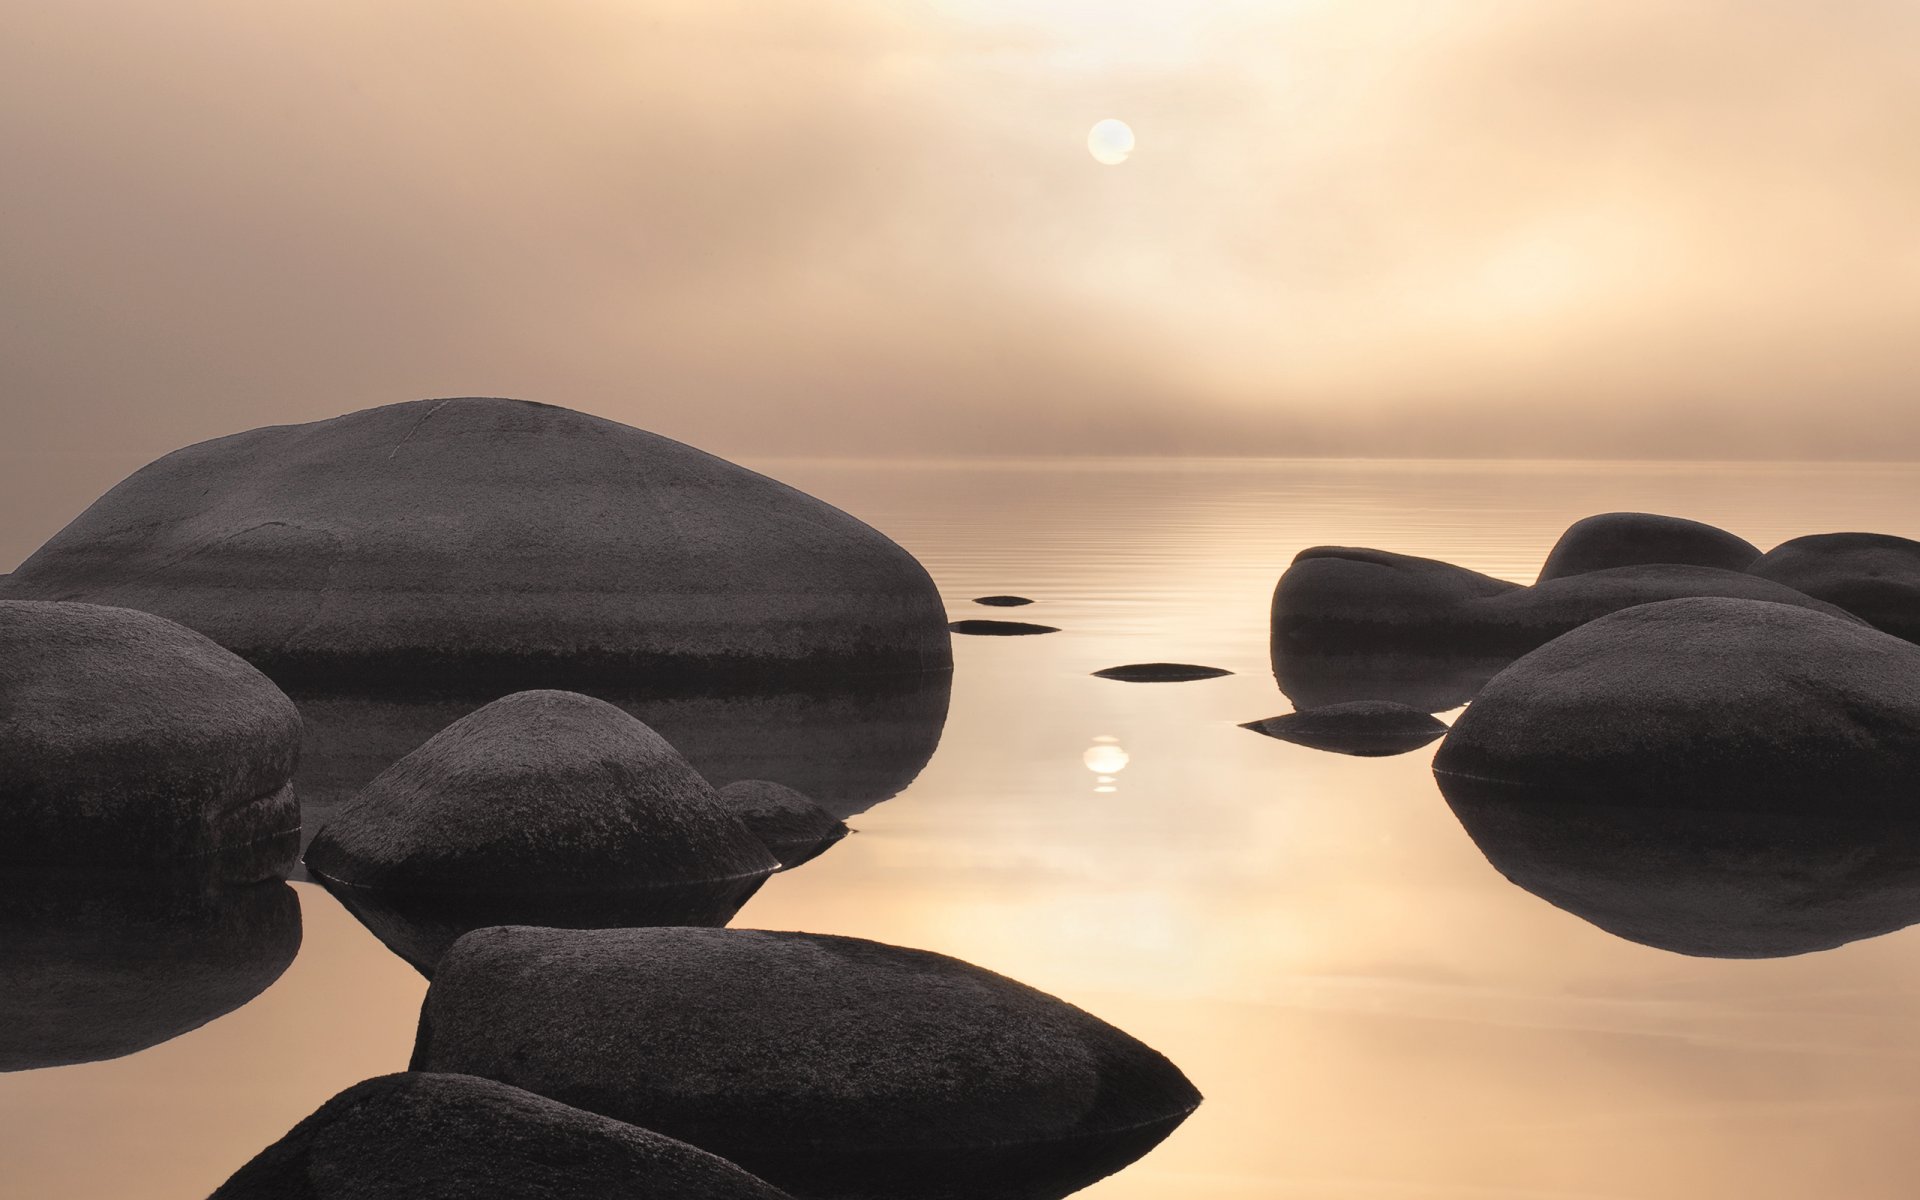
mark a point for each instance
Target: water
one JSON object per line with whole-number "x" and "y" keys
{"x": 1371, "y": 1010}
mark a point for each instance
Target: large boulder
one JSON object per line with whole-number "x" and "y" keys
{"x": 1627, "y": 539}
{"x": 1875, "y": 576}
{"x": 494, "y": 540}
{"x": 94, "y": 968}
{"x": 538, "y": 792}
{"x": 791, "y": 826}
{"x": 455, "y": 1137}
{"x": 1716, "y": 704}
{"x": 129, "y": 741}
{"x": 827, "y": 1065}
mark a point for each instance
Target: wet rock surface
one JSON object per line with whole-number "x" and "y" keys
{"x": 130, "y": 741}
{"x": 455, "y": 1137}
{"x": 1366, "y": 728}
{"x": 828, "y": 1065}
{"x": 498, "y": 543}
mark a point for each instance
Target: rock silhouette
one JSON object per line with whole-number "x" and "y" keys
{"x": 1366, "y": 728}
{"x": 1626, "y": 539}
{"x": 1161, "y": 672}
{"x": 1430, "y": 682}
{"x": 493, "y": 542}
{"x": 130, "y": 741}
{"x": 1002, "y": 601}
{"x": 1712, "y": 704}
{"x": 791, "y": 826}
{"x": 455, "y": 1137}
{"x": 826, "y": 1065}
{"x": 98, "y": 967}
{"x": 984, "y": 628}
{"x": 1875, "y": 576}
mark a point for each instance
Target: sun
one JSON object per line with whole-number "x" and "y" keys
{"x": 1110, "y": 141}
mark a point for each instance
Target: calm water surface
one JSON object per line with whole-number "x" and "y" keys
{"x": 1371, "y": 1010}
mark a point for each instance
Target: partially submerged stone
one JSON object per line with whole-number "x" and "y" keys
{"x": 983, "y": 628}
{"x": 1626, "y": 539}
{"x": 456, "y": 1137}
{"x": 537, "y": 793}
{"x": 827, "y": 1065}
{"x": 1875, "y": 576}
{"x": 1002, "y": 601}
{"x": 130, "y": 741}
{"x": 481, "y": 540}
{"x": 1367, "y": 728}
{"x": 1160, "y": 672}
{"x": 790, "y": 825}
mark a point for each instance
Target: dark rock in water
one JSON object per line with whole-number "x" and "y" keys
{"x": 1337, "y": 601}
{"x": 1628, "y": 539}
{"x": 1712, "y": 704}
{"x": 848, "y": 747}
{"x": 1161, "y": 672}
{"x": 539, "y": 792}
{"x": 1002, "y": 601}
{"x": 790, "y": 825}
{"x": 496, "y": 543}
{"x": 1367, "y": 728}
{"x": 131, "y": 741}
{"x": 1428, "y": 683}
{"x": 1711, "y": 884}
{"x": 980, "y": 628}
{"x": 455, "y": 1137}
{"x": 827, "y": 1065}
{"x": 1875, "y": 576}
{"x": 94, "y": 968}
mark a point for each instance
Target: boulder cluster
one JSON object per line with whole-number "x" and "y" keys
{"x": 1684, "y": 741}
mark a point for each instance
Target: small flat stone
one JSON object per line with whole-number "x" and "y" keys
{"x": 1002, "y": 601}
{"x": 1366, "y": 728}
{"x": 979, "y": 628}
{"x": 1161, "y": 672}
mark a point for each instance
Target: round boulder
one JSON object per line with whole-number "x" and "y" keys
{"x": 455, "y": 1137}
{"x": 494, "y": 541}
{"x": 1626, "y": 539}
{"x": 792, "y": 827}
{"x": 1340, "y": 597}
{"x": 827, "y": 1065}
{"x": 1706, "y": 703}
{"x": 1875, "y": 576}
{"x": 539, "y": 792}
{"x": 1366, "y": 728}
{"x": 131, "y": 741}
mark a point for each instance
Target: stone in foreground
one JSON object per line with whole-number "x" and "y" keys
{"x": 455, "y": 1137}
{"x": 1160, "y": 672}
{"x": 498, "y": 542}
{"x": 130, "y": 741}
{"x": 1365, "y": 728}
{"x": 537, "y": 793}
{"x": 827, "y": 1065}
{"x": 1875, "y": 576}
{"x": 791, "y": 826}
{"x": 1715, "y": 704}
{"x": 1629, "y": 539}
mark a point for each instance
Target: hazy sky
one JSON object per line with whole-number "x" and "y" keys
{"x": 1669, "y": 227}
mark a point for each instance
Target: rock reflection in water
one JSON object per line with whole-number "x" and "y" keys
{"x": 1714, "y": 885}
{"x": 96, "y": 967}
{"x": 848, "y": 747}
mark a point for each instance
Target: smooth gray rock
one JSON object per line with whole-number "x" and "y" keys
{"x": 1875, "y": 576}
{"x": 1339, "y": 601}
{"x": 1626, "y": 539}
{"x": 498, "y": 541}
{"x": 827, "y": 1065}
{"x": 791, "y": 826}
{"x": 456, "y": 1137}
{"x": 129, "y": 741}
{"x": 94, "y": 968}
{"x": 1709, "y": 884}
{"x": 537, "y": 793}
{"x": 1714, "y": 704}
{"x": 1366, "y": 728}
